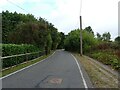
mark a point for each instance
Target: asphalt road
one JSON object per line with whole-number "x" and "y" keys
{"x": 58, "y": 71}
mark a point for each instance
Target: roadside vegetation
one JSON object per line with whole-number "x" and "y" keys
{"x": 24, "y": 33}
{"x": 20, "y": 28}
{"x": 100, "y": 48}
{"x": 14, "y": 49}
{"x": 23, "y": 65}
{"x": 99, "y": 76}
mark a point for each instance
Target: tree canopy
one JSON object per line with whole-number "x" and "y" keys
{"x": 26, "y": 29}
{"x": 72, "y": 41}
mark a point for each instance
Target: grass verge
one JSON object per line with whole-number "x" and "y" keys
{"x": 23, "y": 65}
{"x": 99, "y": 77}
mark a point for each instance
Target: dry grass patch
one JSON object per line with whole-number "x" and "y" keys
{"x": 99, "y": 77}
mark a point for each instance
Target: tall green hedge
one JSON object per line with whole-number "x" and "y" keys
{"x": 13, "y": 49}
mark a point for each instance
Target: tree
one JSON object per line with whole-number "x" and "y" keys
{"x": 55, "y": 38}
{"x": 106, "y": 36}
{"x": 117, "y": 39}
{"x": 26, "y": 29}
{"x": 11, "y": 20}
{"x": 61, "y": 44}
{"x": 30, "y": 33}
{"x": 48, "y": 43}
{"x": 72, "y": 41}
{"x": 89, "y": 29}
{"x": 99, "y": 37}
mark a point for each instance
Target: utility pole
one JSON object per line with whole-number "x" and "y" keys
{"x": 81, "y": 51}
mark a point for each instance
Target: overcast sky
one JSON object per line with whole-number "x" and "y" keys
{"x": 101, "y": 15}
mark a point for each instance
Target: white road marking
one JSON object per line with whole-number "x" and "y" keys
{"x": 84, "y": 82}
{"x": 25, "y": 67}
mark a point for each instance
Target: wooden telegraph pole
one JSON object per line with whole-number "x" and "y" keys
{"x": 81, "y": 51}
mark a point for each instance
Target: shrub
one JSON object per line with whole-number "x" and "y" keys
{"x": 13, "y": 49}
{"x": 103, "y": 46}
{"x": 118, "y": 53}
{"x": 107, "y": 58}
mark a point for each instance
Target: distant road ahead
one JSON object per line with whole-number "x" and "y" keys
{"x": 58, "y": 71}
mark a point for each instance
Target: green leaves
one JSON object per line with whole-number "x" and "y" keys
{"x": 72, "y": 41}
{"x": 26, "y": 29}
{"x": 107, "y": 58}
{"x": 13, "y": 49}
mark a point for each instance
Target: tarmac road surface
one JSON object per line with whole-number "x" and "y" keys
{"x": 58, "y": 71}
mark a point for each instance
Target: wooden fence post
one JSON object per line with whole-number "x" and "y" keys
{"x": 26, "y": 57}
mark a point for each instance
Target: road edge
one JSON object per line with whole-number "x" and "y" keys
{"x": 26, "y": 67}
{"x": 80, "y": 70}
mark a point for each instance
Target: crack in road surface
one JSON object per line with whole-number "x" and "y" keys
{"x": 38, "y": 85}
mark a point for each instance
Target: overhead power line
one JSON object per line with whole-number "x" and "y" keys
{"x": 17, "y": 5}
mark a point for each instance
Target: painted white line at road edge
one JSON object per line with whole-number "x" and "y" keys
{"x": 84, "y": 82}
{"x": 25, "y": 67}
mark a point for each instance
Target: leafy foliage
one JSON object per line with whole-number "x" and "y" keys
{"x": 100, "y": 48}
{"x": 40, "y": 34}
{"x": 99, "y": 37}
{"x": 117, "y": 39}
{"x": 11, "y": 20}
{"x": 26, "y": 29}
{"x": 72, "y": 41}
{"x": 23, "y": 33}
{"x": 106, "y": 36}
{"x": 89, "y": 29}
{"x": 61, "y": 44}
{"x": 107, "y": 58}
{"x": 13, "y": 49}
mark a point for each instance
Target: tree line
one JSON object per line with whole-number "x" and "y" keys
{"x": 72, "y": 41}
{"x": 20, "y": 28}
{"x": 99, "y": 47}
{"x": 25, "y": 29}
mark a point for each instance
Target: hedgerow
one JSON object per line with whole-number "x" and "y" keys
{"x": 13, "y": 49}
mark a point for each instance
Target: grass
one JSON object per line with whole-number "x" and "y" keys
{"x": 20, "y": 66}
{"x": 99, "y": 77}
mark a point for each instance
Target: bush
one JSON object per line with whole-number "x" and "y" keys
{"x": 107, "y": 58}
{"x": 13, "y": 49}
{"x": 103, "y": 46}
{"x": 118, "y": 53}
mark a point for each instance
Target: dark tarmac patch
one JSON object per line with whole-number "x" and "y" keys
{"x": 51, "y": 82}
